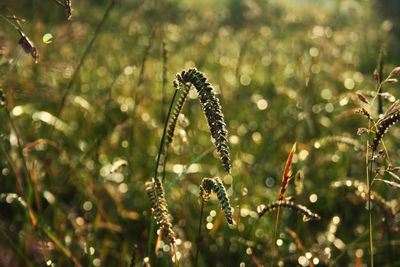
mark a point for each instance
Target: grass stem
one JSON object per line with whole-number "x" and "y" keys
{"x": 80, "y": 64}
{"x": 160, "y": 152}
{"x": 198, "y": 234}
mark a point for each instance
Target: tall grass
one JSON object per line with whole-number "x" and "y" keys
{"x": 104, "y": 163}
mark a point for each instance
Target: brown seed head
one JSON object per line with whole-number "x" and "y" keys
{"x": 395, "y": 72}
{"x": 376, "y": 75}
{"x": 28, "y": 46}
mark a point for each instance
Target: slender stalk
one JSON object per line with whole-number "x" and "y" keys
{"x": 60, "y": 245}
{"x": 29, "y": 180}
{"x": 151, "y": 235}
{"x": 14, "y": 169}
{"x": 137, "y": 97}
{"x": 380, "y": 65}
{"x": 58, "y": 2}
{"x": 9, "y": 22}
{"x": 160, "y": 151}
{"x": 369, "y": 161}
{"x": 161, "y": 147}
{"x": 81, "y": 62}
{"x": 164, "y": 164}
{"x": 164, "y": 79}
{"x": 164, "y": 98}
{"x": 368, "y": 164}
{"x": 275, "y": 234}
{"x": 369, "y": 183}
{"x": 198, "y": 234}
{"x": 143, "y": 64}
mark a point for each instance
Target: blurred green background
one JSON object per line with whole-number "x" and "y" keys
{"x": 285, "y": 71}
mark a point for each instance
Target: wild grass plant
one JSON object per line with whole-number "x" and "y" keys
{"x": 95, "y": 171}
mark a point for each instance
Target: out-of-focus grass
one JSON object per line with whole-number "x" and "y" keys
{"x": 285, "y": 71}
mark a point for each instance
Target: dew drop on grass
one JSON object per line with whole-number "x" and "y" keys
{"x": 270, "y": 182}
{"x": 245, "y": 191}
{"x": 5, "y": 171}
{"x": 359, "y": 253}
{"x": 249, "y": 251}
{"x": 349, "y": 84}
{"x": 313, "y": 198}
{"x": 262, "y": 104}
{"x": 47, "y": 38}
{"x": 96, "y": 262}
{"x": 302, "y": 260}
{"x": 336, "y": 220}
{"x": 87, "y": 205}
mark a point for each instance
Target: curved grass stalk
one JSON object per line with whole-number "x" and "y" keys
{"x": 307, "y": 214}
{"x": 160, "y": 151}
{"x": 199, "y": 233}
{"x": 29, "y": 180}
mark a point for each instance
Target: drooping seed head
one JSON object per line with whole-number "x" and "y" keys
{"x": 215, "y": 184}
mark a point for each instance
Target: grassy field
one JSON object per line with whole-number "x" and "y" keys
{"x": 293, "y": 105}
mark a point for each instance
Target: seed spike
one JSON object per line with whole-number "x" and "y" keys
{"x": 307, "y": 214}
{"x": 211, "y": 108}
{"x": 215, "y": 184}
{"x": 287, "y": 173}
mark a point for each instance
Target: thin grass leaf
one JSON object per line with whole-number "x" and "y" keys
{"x": 395, "y": 176}
{"x": 391, "y": 183}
